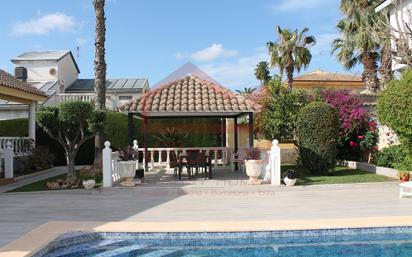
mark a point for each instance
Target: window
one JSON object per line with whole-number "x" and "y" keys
{"x": 125, "y": 97}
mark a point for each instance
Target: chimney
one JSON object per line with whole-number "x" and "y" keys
{"x": 20, "y": 73}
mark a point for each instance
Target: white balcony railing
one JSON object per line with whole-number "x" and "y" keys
{"x": 86, "y": 97}
{"x": 21, "y": 145}
{"x": 161, "y": 156}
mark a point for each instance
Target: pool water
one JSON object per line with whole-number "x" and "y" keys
{"x": 389, "y": 241}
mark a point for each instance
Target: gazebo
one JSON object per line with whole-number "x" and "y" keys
{"x": 14, "y": 90}
{"x": 190, "y": 97}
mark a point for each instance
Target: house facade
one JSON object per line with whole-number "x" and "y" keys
{"x": 56, "y": 73}
{"x": 400, "y": 16}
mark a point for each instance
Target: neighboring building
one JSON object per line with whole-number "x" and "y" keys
{"x": 56, "y": 74}
{"x": 400, "y": 12}
{"x": 320, "y": 79}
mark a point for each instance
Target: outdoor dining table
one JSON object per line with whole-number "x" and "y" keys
{"x": 188, "y": 164}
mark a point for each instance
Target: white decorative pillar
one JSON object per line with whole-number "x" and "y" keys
{"x": 275, "y": 163}
{"x": 107, "y": 165}
{"x": 8, "y": 161}
{"x": 136, "y": 148}
{"x": 32, "y": 121}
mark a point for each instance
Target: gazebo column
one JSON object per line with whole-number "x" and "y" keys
{"x": 130, "y": 129}
{"x": 145, "y": 140}
{"x": 32, "y": 120}
{"x": 235, "y": 139}
{"x": 250, "y": 129}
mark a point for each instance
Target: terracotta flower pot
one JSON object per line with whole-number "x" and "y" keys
{"x": 404, "y": 177}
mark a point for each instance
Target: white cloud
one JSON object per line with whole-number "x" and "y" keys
{"x": 239, "y": 73}
{"x": 287, "y": 5}
{"x": 213, "y": 52}
{"x": 44, "y": 25}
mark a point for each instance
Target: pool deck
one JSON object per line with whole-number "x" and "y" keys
{"x": 200, "y": 206}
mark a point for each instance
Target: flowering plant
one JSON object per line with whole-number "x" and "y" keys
{"x": 358, "y": 132}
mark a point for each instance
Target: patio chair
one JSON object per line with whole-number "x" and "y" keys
{"x": 173, "y": 163}
{"x": 239, "y": 159}
{"x": 183, "y": 163}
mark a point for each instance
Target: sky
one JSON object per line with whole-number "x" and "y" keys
{"x": 152, "y": 38}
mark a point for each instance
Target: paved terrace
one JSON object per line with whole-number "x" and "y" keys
{"x": 195, "y": 201}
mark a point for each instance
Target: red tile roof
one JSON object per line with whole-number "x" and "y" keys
{"x": 10, "y": 81}
{"x": 190, "y": 94}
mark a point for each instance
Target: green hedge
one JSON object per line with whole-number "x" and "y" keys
{"x": 391, "y": 156}
{"x": 13, "y": 128}
{"x": 317, "y": 131}
{"x": 394, "y": 107}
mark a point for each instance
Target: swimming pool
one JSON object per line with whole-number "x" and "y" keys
{"x": 383, "y": 241}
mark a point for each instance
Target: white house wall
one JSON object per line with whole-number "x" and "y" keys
{"x": 68, "y": 70}
{"x": 39, "y": 70}
{"x": 403, "y": 11}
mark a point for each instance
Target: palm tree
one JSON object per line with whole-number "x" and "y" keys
{"x": 100, "y": 74}
{"x": 262, "y": 72}
{"x": 357, "y": 43}
{"x": 246, "y": 91}
{"x": 291, "y": 51}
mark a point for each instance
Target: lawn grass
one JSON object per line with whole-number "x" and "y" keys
{"x": 41, "y": 185}
{"x": 342, "y": 175}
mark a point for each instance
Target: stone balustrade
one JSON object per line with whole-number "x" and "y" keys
{"x": 21, "y": 145}
{"x": 86, "y": 97}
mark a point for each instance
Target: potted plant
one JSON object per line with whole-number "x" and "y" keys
{"x": 253, "y": 164}
{"x": 127, "y": 165}
{"x": 290, "y": 177}
{"x": 404, "y": 175}
{"x": 88, "y": 180}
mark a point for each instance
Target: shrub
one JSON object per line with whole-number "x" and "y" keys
{"x": 357, "y": 131}
{"x": 13, "y": 128}
{"x": 317, "y": 131}
{"x": 280, "y": 111}
{"x": 394, "y": 107}
{"x": 390, "y": 156}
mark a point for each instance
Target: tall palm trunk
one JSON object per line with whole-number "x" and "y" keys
{"x": 370, "y": 71}
{"x": 385, "y": 69}
{"x": 100, "y": 75}
{"x": 289, "y": 73}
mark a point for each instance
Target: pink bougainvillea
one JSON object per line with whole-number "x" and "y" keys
{"x": 357, "y": 130}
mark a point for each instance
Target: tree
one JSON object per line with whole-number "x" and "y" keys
{"x": 280, "y": 110}
{"x": 262, "y": 72}
{"x": 357, "y": 43}
{"x": 291, "y": 51}
{"x": 246, "y": 91}
{"x": 71, "y": 124}
{"x": 317, "y": 131}
{"x": 100, "y": 75}
{"x": 394, "y": 107}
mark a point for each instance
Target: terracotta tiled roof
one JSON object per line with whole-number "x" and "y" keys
{"x": 10, "y": 81}
{"x": 258, "y": 96}
{"x": 320, "y": 75}
{"x": 190, "y": 94}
